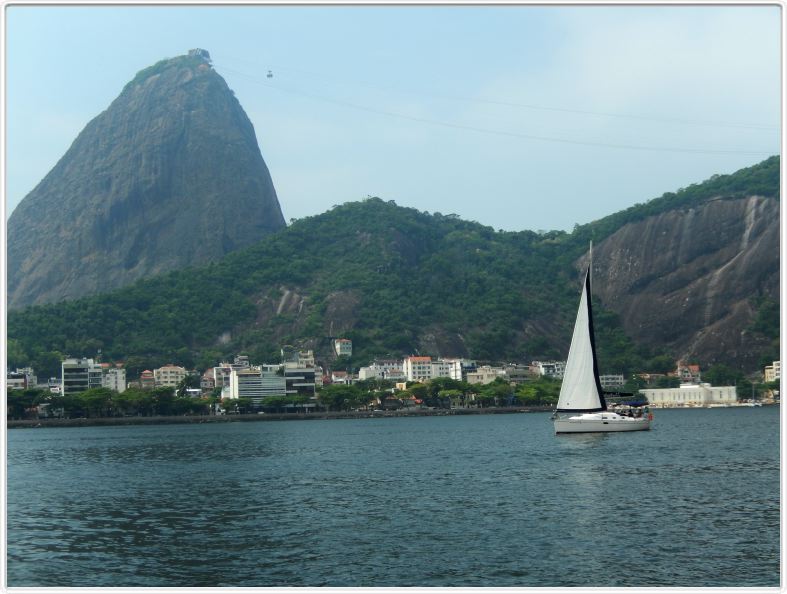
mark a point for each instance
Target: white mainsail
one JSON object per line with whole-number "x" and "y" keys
{"x": 581, "y": 389}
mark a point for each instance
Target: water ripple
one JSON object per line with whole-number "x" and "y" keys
{"x": 496, "y": 500}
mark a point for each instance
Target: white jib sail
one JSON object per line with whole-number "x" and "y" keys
{"x": 579, "y": 390}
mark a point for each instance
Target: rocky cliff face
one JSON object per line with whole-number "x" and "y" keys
{"x": 688, "y": 279}
{"x": 169, "y": 176}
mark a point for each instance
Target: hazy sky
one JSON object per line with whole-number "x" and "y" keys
{"x": 519, "y": 117}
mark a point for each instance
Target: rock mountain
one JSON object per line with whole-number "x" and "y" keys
{"x": 691, "y": 279}
{"x": 169, "y": 176}
{"x": 692, "y": 274}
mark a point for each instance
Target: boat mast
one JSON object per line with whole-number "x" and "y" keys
{"x": 590, "y": 264}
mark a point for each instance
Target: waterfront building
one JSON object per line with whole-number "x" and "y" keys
{"x": 461, "y": 367}
{"x": 773, "y": 372}
{"x": 456, "y": 369}
{"x": 15, "y": 380}
{"x": 441, "y": 368}
{"x": 221, "y": 378}
{"x": 383, "y": 369}
{"x": 78, "y": 375}
{"x": 301, "y": 380}
{"x": 147, "y": 380}
{"x": 247, "y": 383}
{"x": 690, "y": 395}
{"x": 343, "y": 347}
{"x": 273, "y": 382}
{"x": 554, "y": 369}
{"x": 610, "y": 381}
{"x": 114, "y": 378}
{"x": 169, "y": 376}
{"x": 485, "y": 374}
{"x": 21, "y": 379}
{"x": 417, "y": 369}
{"x": 207, "y": 382}
{"x": 518, "y": 374}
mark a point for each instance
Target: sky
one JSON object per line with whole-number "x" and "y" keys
{"x": 517, "y": 116}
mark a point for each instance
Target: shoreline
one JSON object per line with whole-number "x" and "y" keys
{"x": 327, "y": 415}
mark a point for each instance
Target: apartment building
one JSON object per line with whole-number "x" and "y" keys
{"x": 78, "y": 375}
{"x": 417, "y": 369}
{"x": 115, "y": 379}
{"x": 169, "y": 376}
{"x": 343, "y": 347}
{"x": 773, "y": 372}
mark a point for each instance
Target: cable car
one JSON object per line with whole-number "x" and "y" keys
{"x": 270, "y": 74}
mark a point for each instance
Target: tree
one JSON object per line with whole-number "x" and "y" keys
{"x": 722, "y": 375}
{"x": 667, "y": 382}
{"x": 661, "y": 364}
{"x": 236, "y": 405}
{"x": 21, "y": 402}
{"x": 163, "y": 399}
{"x": 454, "y": 397}
{"x": 190, "y": 381}
{"x": 96, "y": 401}
{"x": 340, "y": 397}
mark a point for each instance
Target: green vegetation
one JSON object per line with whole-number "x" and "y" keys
{"x": 103, "y": 402}
{"x": 759, "y": 180}
{"x": 440, "y": 393}
{"x": 398, "y": 281}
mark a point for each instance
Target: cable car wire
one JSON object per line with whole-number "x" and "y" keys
{"x": 497, "y": 132}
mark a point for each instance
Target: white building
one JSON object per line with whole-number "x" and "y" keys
{"x": 773, "y": 372}
{"x": 78, "y": 375}
{"x": 273, "y": 382}
{"x": 690, "y": 395}
{"x": 417, "y": 369}
{"x": 256, "y": 383}
{"x": 459, "y": 368}
{"x": 341, "y": 378}
{"x": 169, "y": 376}
{"x": 114, "y": 379}
{"x": 383, "y": 369}
{"x": 554, "y": 369}
{"x": 441, "y": 368}
{"x": 343, "y": 347}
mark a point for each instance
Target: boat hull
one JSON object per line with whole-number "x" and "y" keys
{"x": 600, "y": 423}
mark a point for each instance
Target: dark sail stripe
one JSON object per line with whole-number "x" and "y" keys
{"x": 593, "y": 343}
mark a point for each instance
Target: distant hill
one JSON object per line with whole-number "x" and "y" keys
{"x": 170, "y": 175}
{"x": 397, "y": 281}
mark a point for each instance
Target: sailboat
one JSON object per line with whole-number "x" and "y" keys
{"x": 581, "y": 407}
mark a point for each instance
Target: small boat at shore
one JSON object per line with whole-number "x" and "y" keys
{"x": 581, "y": 407}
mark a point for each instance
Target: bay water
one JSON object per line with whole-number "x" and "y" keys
{"x": 482, "y": 500}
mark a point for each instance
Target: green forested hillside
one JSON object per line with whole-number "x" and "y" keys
{"x": 394, "y": 280}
